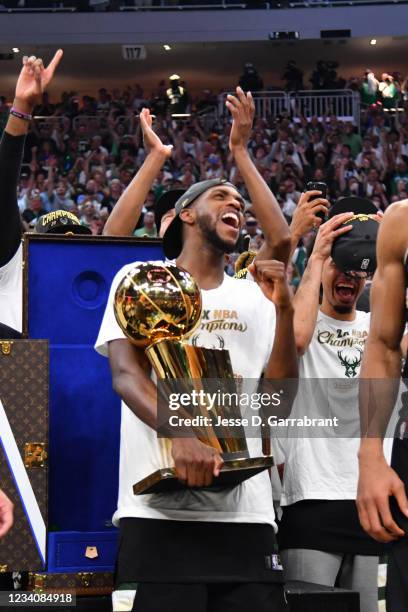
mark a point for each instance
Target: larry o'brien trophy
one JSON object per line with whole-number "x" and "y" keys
{"x": 156, "y": 306}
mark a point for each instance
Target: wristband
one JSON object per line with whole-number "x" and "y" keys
{"x": 20, "y": 115}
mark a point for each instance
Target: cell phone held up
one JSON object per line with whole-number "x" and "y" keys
{"x": 318, "y": 186}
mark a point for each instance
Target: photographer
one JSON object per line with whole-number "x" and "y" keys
{"x": 293, "y": 77}
{"x": 250, "y": 79}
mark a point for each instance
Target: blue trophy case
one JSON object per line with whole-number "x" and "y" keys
{"x": 66, "y": 286}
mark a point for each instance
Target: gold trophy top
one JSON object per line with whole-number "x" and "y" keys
{"x": 156, "y": 302}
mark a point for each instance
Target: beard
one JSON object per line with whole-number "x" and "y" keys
{"x": 343, "y": 309}
{"x": 211, "y": 236}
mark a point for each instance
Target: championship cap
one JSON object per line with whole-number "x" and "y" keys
{"x": 173, "y": 237}
{"x": 354, "y": 252}
{"x": 60, "y": 222}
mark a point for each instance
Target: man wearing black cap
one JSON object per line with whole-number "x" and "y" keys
{"x": 382, "y": 490}
{"x": 201, "y": 550}
{"x": 32, "y": 81}
{"x": 126, "y": 213}
{"x": 320, "y": 536}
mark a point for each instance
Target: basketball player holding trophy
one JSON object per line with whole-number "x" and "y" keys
{"x": 200, "y": 548}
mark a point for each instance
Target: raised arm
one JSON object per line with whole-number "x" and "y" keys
{"x": 32, "y": 82}
{"x": 272, "y": 279}
{"x": 266, "y": 207}
{"x": 380, "y": 375}
{"x": 306, "y": 300}
{"x": 125, "y": 215}
{"x": 282, "y": 367}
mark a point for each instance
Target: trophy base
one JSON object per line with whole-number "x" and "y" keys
{"x": 232, "y": 473}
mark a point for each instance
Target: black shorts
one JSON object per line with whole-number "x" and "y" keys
{"x": 327, "y": 525}
{"x": 397, "y": 572}
{"x": 157, "y": 551}
{"x": 235, "y": 597}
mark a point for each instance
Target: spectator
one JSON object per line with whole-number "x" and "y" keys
{"x": 250, "y": 79}
{"x": 34, "y": 207}
{"x": 369, "y": 89}
{"x": 148, "y": 230}
{"x": 176, "y": 95}
{"x": 252, "y": 228}
{"x": 352, "y": 139}
{"x": 388, "y": 91}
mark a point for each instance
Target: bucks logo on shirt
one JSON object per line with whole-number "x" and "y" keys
{"x": 337, "y": 346}
{"x": 350, "y": 363}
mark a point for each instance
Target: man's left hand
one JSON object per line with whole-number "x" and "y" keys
{"x": 242, "y": 109}
{"x": 33, "y": 80}
{"x": 271, "y": 277}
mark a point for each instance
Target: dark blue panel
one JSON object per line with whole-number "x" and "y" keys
{"x": 67, "y": 551}
{"x": 68, "y": 286}
{"x": 69, "y": 283}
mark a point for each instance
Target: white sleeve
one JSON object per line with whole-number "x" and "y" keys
{"x": 110, "y": 329}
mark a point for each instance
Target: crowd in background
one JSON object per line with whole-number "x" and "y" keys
{"x": 84, "y": 152}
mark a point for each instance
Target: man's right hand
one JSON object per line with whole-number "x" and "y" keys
{"x": 196, "y": 463}
{"x": 327, "y": 234}
{"x": 377, "y": 483}
{"x": 151, "y": 141}
{"x": 305, "y": 215}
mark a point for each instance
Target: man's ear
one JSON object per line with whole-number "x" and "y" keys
{"x": 187, "y": 216}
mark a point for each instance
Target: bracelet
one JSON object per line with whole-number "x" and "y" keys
{"x": 20, "y": 115}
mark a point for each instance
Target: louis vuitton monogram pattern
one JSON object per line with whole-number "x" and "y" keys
{"x": 24, "y": 394}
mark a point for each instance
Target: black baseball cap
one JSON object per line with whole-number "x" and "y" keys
{"x": 165, "y": 203}
{"x": 60, "y": 222}
{"x": 355, "y": 251}
{"x": 173, "y": 237}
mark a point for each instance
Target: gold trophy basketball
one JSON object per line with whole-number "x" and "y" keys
{"x": 157, "y": 306}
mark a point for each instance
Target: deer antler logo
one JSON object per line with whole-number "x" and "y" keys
{"x": 351, "y": 365}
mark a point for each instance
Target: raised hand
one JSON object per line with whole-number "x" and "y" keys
{"x": 151, "y": 140}
{"x": 33, "y": 80}
{"x": 271, "y": 277}
{"x": 242, "y": 109}
{"x": 305, "y": 215}
{"x": 328, "y": 232}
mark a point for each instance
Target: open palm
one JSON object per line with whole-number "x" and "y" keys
{"x": 34, "y": 78}
{"x": 150, "y": 138}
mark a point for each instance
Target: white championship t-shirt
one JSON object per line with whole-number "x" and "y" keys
{"x": 11, "y": 292}
{"x": 236, "y": 316}
{"x": 326, "y": 467}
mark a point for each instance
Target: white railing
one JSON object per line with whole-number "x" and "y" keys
{"x": 343, "y": 103}
{"x": 267, "y": 103}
